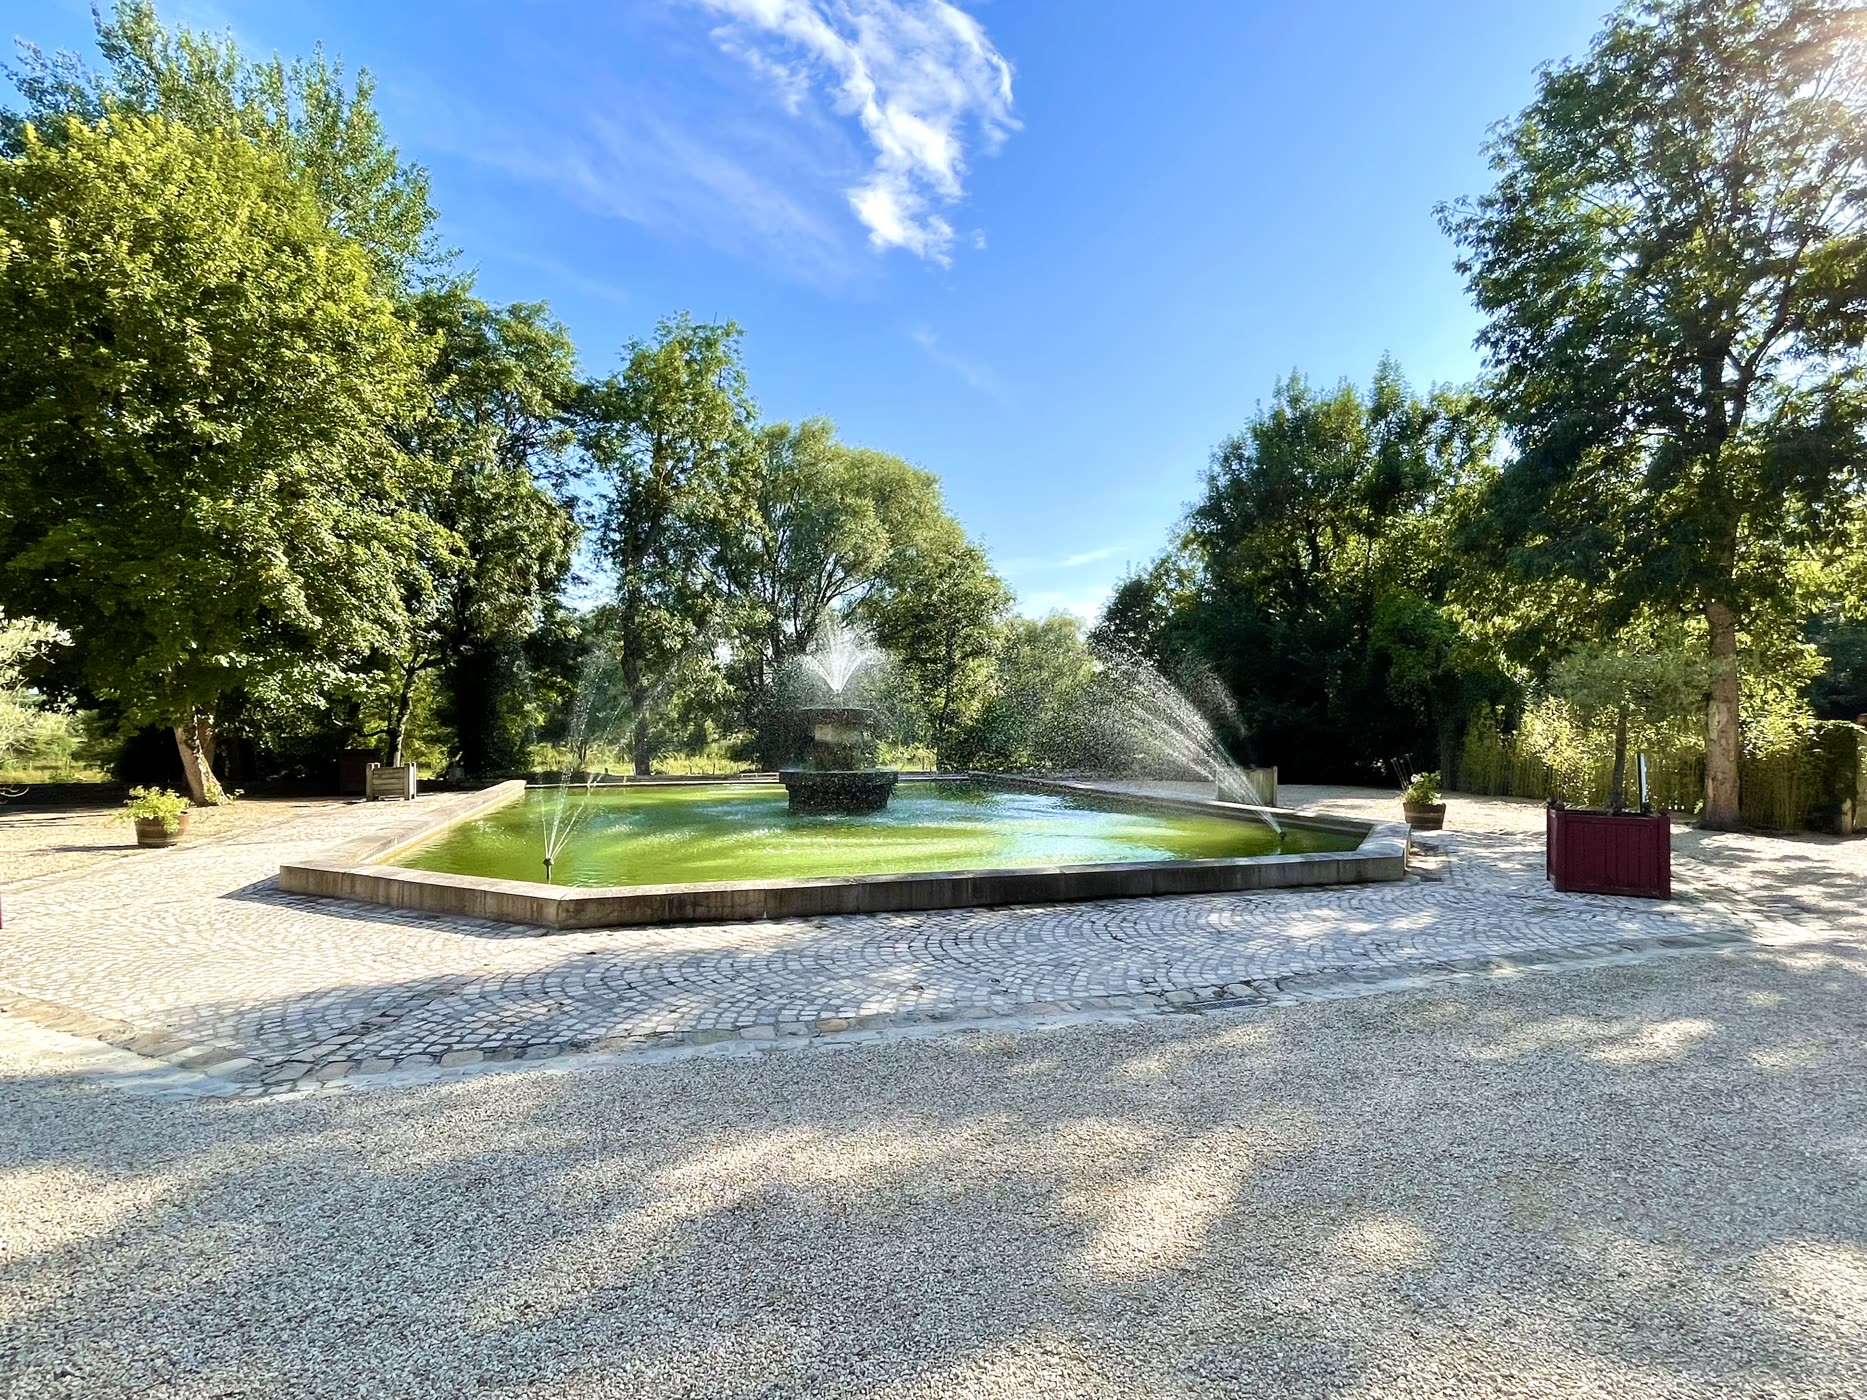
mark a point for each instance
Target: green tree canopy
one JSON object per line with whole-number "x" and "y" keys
{"x": 198, "y": 379}
{"x": 664, "y": 437}
{"x": 1631, "y": 679}
{"x": 1034, "y": 718}
{"x": 22, "y": 716}
{"x": 323, "y": 126}
{"x": 1313, "y": 578}
{"x": 941, "y": 617}
{"x": 495, "y": 438}
{"x": 1674, "y": 264}
{"x": 819, "y": 529}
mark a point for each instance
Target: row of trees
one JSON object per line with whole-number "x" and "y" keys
{"x": 734, "y": 543}
{"x": 270, "y": 468}
{"x": 1666, "y": 455}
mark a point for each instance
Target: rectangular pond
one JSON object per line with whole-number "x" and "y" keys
{"x": 673, "y": 835}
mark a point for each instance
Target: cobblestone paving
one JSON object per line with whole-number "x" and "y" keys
{"x": 193, "y": 956}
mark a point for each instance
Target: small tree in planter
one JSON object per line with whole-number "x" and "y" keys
{"x": 161, "y": 816}
{"x": 1624, "y": 686}
{"x": 1420, "y": 801}
{"x": 1620, "y": 851}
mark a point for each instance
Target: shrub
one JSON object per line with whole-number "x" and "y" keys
{"x": 156, "y": 805}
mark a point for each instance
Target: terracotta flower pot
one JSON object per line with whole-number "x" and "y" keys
{"x": 150, "y": 832}
{"x": 1425, "y": 816}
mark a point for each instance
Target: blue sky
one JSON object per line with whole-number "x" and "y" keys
{"x": 1051, "y": 251}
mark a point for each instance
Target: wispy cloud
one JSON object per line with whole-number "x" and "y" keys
{"x": 978, "y": 376}
{"x": 569, "y": 276}
{"x": 920, "y": 77}
{"x": 636, "y": 163}
{"x": 1067, "y": 561}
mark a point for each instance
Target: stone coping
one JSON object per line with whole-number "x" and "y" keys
{"x": 1181, "y": 802}
{"x": 356, "y": 870}
{"x": 425, "y": 817}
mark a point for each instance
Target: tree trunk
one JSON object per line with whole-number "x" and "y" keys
{"x": 643, "y": 749}
{"x": 398, "y": 725}
{"x": 1723, "y": 739}
{"x": 1449, "y": 757}
{"x": 474, "y": 690}
{"x": 640, "y": 746}
{"x": 195, "y": 739}
{"x": 1617, "y": 789}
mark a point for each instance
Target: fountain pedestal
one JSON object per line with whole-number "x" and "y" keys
{"x": 834, "y": 781}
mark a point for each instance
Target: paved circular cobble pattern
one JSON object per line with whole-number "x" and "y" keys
{"x": 195, "y": 957}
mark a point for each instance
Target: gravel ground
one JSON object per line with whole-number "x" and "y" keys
{"x": 1800, "y": 875}
{"x": 1640, "y": 1180}
{"x": 39, "y": 841}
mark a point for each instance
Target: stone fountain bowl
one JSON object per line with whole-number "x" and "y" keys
{"x": 848, "y": 791}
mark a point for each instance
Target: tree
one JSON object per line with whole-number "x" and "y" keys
{"x": 1840, "y": 692}
{"x": 816, "y": 532}
{"x": 1312, "y": 577}
{"x": 664, "y": 437}
{"x": 942, "y": 620}
{"x": 496, "y": 435}
{"x": 1139, "y": 617}
{"x": 1625, "y": 682}
{"x": 1034, "y": 718}
{"x": 23, "y": 719}
{"x": 322, "y": 127}
{"x": 198, "y": 484}
{"x": 1674, "y": 264}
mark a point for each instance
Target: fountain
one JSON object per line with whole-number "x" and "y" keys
{"x": 1147, "y": 714}
{"x": 650, "y": 854}
{"x": 838, "y": 776}
{"x": 584, "y": 725}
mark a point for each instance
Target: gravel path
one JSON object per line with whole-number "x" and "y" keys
{"x": 1636, "y": 1181}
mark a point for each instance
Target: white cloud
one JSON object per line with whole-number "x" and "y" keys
{"x": 919, "y": 76}
{"x": 647, "y": 168}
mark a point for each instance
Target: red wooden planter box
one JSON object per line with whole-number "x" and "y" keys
{"x": 1610, "y": 852}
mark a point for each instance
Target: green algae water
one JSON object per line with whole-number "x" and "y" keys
{"x": 656, "y": 835}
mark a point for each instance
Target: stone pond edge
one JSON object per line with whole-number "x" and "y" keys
{"x": 356, "y": 870}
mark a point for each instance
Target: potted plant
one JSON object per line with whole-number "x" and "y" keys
{"x": 161, "y": 816}
{"x": 1420, "y": 801}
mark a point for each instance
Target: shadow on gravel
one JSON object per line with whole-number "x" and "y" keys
{"x": 1639, "y": 1180}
